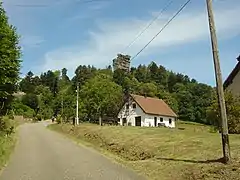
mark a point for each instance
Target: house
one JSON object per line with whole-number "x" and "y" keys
{"x": 146, "y": 111}
{"x": 232, "y": 82}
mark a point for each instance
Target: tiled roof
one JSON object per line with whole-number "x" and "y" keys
{"x": 153, "y": 106}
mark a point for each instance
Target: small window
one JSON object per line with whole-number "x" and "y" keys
{"x": 127, "y": 106}
{"x": 134, "y": 106}
{"x": 118, "y": 119}
{"x": 161, "y": 119}
{"x": 170, "y": 121}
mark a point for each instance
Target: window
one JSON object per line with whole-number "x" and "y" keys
{"x": 170, "y": 121}
{"x": 127, "y": 106}
{"x": 134, "y": 106}
{"x": 161, "y": 119}
{"x": 118, "y": 119}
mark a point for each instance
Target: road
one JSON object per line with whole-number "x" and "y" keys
{"x": 42, "y": 154}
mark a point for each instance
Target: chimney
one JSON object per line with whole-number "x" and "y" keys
{"x": 238, "y": 58}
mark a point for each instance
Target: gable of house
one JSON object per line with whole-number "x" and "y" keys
{"x": 232, "y": 83}
{"x": 130, "y": 108}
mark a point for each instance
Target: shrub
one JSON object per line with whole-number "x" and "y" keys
{"x": 22, "y": 110}
{"x": 6, "y": 126}
{"x": 59, "y": 119}
{"x": 233, "y": 113}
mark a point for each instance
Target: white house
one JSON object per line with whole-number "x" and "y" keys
{"x": 146, "y": 111}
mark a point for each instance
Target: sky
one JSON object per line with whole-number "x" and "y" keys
{"x": 68, "y": 33}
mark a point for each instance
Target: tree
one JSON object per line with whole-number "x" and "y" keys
{"x": 147, "y": 89}
{"x": 233, "y": 112}
{"x": 31, "y": 100}
{"x": 141, "y": 73}
{"x": 101, "y": 97}
{"x": 169, "y": 99}
{"x": 9, "y": 61}
{"x": 29, "y": 83}
{"x": 45, "y": 106}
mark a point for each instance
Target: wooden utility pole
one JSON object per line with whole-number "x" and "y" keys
{"x": 62, "y": 105}
{"x": 220, "y": 92}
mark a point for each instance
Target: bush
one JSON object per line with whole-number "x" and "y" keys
{"x": 22, "y": 110}
{"x": 59, "y": 119}
{"x": 233, "y": 113}
{"x": 6, "y": 126}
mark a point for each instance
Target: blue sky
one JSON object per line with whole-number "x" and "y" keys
{"x": 68, "y": 33}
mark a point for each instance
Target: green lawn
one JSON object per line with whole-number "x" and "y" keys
{"x": 187, "y": 152}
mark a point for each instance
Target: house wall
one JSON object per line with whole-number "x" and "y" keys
{"x": 131, "y": 113}
{"x": 149, "y": 120}
{"x": 146, "y": 119}
{"x": 234, "y": 87}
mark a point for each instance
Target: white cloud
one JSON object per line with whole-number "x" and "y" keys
{"x": 112, "y": 36}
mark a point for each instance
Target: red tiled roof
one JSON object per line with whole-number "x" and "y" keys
{"x": 153, "y": 106}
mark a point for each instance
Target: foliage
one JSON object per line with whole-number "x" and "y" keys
{"x": 57, "y": 93}
{"x": 9, "y": 61}
{"x": 31, "y": 100}
{"x": 6, "y": 126}
{"x": 233, "y": 113}
{"x": 101, "y": 96}
{"x": 59, "y": 119}
{"x": 21, "y": 109}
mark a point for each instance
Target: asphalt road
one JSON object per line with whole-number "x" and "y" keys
{"x": 42, "y": 154}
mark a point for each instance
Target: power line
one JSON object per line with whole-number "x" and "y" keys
{"x": 149, "y": 24}
{"x": 182, "y": 7}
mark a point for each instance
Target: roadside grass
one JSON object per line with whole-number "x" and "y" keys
{"x": 8, "y": 142}
{"x": 7, "y": 145}
{"x": 188, "y": 152}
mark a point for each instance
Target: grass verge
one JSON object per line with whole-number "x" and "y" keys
{"x": 7, "y": 145}
{"x": 189, "y": 152}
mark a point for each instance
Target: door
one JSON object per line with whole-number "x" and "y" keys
{"x": 155, "y": 121}
{"x": 138, "y": 121}
{"x": 124, "y": 121}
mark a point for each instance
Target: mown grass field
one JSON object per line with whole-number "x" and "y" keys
{"x": 190, "y": 151}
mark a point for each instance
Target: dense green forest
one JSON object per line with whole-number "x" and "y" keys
{"x": 102, "y": 92}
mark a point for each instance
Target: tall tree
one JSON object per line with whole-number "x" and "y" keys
{"x": 101, "y": 96}
{"x": 9, "y": 61}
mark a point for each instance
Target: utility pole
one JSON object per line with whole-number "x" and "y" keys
{"x": 220, "y": 92}
{"x": 77, "y": 120}
{"x": 62, "y": 105}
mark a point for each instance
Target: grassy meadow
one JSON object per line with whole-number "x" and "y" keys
{"x": 190, "y": 151}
